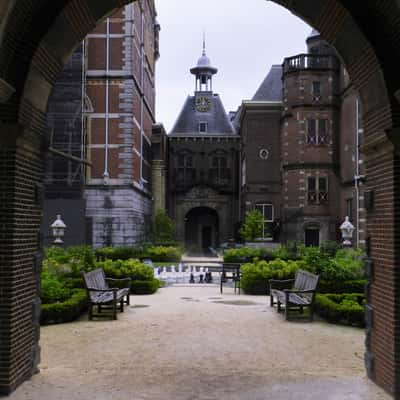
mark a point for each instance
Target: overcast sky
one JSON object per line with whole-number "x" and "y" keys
{"x": 242, "y": 42}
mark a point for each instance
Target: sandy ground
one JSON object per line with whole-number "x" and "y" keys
{"x": 184, "y": 344}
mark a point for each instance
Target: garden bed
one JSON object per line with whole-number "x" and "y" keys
{"x": 347, "y": 309}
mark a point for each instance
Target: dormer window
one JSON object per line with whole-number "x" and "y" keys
{"x": 203, "y": 127}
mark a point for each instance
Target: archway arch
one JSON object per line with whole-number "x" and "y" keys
{"x": 36, "y": 39}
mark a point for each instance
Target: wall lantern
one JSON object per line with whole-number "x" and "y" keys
{"x": 58, "y": 227}
{"x": 347, "y": 229}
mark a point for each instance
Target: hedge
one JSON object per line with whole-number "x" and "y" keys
{"x": 338, "y": 286}
{"x": 65, "y": 311}
{"x": 155, "y": 253}
{"x": 145, "y": 287}
{"x": 247, "y": 254}
{"x": 347, "y": 309}
{"x": 255, "y": 277}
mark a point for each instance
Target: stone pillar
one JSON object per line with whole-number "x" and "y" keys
{"x": 20, "y": 264}
{"x": 382, "y": 203}
{"x": 158, "y": 182}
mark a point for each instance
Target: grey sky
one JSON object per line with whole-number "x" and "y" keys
{"x": 242, "y": 42}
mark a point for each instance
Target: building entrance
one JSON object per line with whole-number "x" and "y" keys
{"x": 311, "y": 237}
{"x": 201, "y": 230}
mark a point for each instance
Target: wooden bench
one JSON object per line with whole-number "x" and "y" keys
{"x": 231, "y": 271}
{"x": 100, "y": 294}
{"x": 298, "y": 293}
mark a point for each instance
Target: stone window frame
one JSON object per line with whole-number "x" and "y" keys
{"x": 315, "y": 194}
{"x": 187, "y": 167}
{"x": 219, "y": 172}
{"x": 317, "y": 137}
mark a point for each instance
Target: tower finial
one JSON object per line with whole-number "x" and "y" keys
{"x": 204, "y": 42}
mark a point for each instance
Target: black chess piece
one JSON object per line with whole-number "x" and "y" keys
{"x": 191, "y": 278}
{"x": 201, "y": 278}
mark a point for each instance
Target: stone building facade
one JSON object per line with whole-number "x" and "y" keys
{"x": 117, "y": 109}
{"x": 203, "y": 166}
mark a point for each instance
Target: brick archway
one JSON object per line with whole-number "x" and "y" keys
{"x": 36, "y": 39}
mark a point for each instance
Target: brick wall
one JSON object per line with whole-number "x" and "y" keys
{"x": 20, "y": 169}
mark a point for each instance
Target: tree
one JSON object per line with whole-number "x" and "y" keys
{"x": 164, "y": 227}
{"x": 253, "y": 226}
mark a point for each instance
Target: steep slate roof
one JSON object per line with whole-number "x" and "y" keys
{"x": 217, "y": 119}
{"x": 271, "y": 88}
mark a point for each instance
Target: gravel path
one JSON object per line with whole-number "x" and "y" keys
{"x": 183, "y": 343}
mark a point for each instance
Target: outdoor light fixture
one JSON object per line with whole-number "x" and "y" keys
{"x": 58, "y": 228}
{"x": 347, "y": 229}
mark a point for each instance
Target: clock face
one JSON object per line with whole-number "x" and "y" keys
{"x": 203, "y": 103}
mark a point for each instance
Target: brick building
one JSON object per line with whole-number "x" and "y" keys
{"x": 203, "y": 166}
{"x": 300, "y": 140}
{"x": 110, "y": 123}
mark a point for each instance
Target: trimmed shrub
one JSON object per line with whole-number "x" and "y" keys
{"x": 64, "y": 311}
{"x": 346, "y": 265}
{"x": 52, "y": 289}
{"x": 133, "y": 269}
{"x": 345, "y": 309}
{"x": 119, "y": 253}
{"x": 255, "y": 277}
{"x": 247, "y": 254}
{"x": 163, "y": 253}
{"x": 337, "y": 286}
{"x": 145, "y": 287}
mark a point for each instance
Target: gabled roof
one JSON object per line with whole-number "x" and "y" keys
{"x": 217, "y": 119}
{"x": 271, "y": 88}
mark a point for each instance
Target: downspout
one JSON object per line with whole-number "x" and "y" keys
{"x": 83, "y": 122}
{"x": 106, "y": 174}
{"x": 357, "y": 176}
{"x": 142, "y": 100}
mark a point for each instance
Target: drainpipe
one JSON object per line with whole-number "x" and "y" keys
{"x": 106, "y": 174}
{"x": 357, "y": 176}
{"x": 83, "y": 122}
{"x": 142, "y": 100}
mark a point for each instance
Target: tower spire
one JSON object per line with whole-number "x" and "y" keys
{"x": 204, "y": 42}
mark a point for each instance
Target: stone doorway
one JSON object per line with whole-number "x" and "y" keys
{"x": 201, "y": 230}
{"x": 311, "y": 237}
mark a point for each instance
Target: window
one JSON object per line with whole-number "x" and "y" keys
{"x": 203, "y": 127}
{"x": 186, "y": 173}
{"x": 267, "y": 210}
{"x": 317, "y": 190}
{"x": 219, "y": 173}
{"x": 316, "y": 90}
{"x": 317, "y": 131}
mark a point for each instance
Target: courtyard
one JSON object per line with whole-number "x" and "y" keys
{"x": 188, "y": 342}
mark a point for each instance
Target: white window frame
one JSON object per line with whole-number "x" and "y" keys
{"x": 266, "y": 221}
{"x": 317, "y": 191}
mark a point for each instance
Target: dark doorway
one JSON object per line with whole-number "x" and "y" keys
{"x": 311, "y": 237}
{"x": 201, "y": 230}
{"x": 206, "y": 237}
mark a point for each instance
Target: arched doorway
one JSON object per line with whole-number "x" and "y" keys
{"x": 201, "y": 230}
{"x": 36, "y": 39}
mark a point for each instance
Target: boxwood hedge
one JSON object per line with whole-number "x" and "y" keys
{"x": 64, "y": 311}
{"x": 345, "y": 309}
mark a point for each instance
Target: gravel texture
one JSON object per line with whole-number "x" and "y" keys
{"x": 190, "y": 343}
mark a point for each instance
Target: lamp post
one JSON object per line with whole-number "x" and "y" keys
{"x": 347, "y": 229}
{"x": 58, "y": 227}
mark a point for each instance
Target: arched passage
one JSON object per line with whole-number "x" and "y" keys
{"x": 201, "y": 229}
{"x": 36, "y": 39}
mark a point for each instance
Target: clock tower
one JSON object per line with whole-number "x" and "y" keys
{"x": 203, "y": 72}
